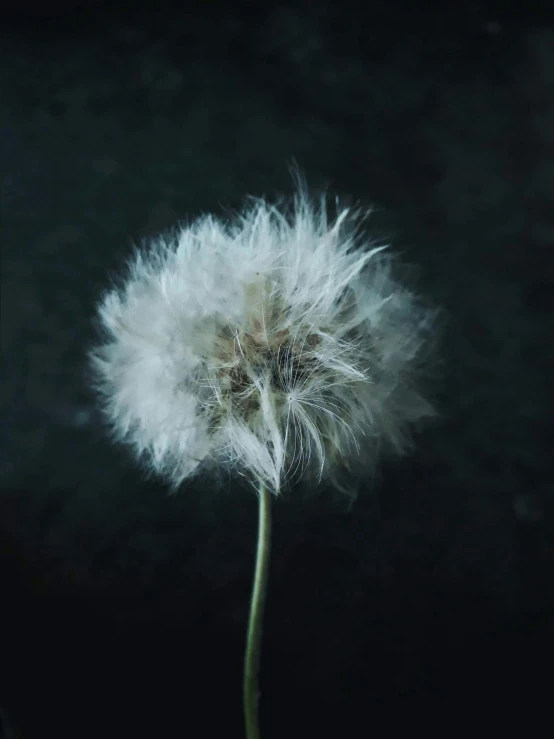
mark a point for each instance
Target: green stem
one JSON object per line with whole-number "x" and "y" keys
{"x": 254, "y": 637}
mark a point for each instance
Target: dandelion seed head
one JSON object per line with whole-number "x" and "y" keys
{"x": 277, "y": 343}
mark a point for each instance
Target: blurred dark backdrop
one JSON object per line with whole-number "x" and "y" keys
{"x": 430, "y": 602}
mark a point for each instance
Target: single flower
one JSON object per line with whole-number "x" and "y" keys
{"x": 276, "y": 343}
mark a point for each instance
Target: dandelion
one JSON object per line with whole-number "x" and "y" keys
{"x": 278, "y": 344}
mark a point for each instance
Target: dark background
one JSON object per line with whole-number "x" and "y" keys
{"x": 430, "y": 602}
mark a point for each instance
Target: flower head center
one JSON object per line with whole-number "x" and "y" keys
{"x": 275, "y": 362}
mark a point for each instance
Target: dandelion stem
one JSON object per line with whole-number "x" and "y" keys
{"x": 257, "y": 603}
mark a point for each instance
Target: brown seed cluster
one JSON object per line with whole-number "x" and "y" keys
{"x": 256, "y": 354}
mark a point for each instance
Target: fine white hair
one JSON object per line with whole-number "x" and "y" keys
{"x": 276, "y": 343}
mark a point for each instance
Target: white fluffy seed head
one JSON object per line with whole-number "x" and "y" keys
{"x": 277, "y": 343}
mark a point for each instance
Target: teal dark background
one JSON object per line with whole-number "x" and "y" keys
{"x": 430, "y": 602}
